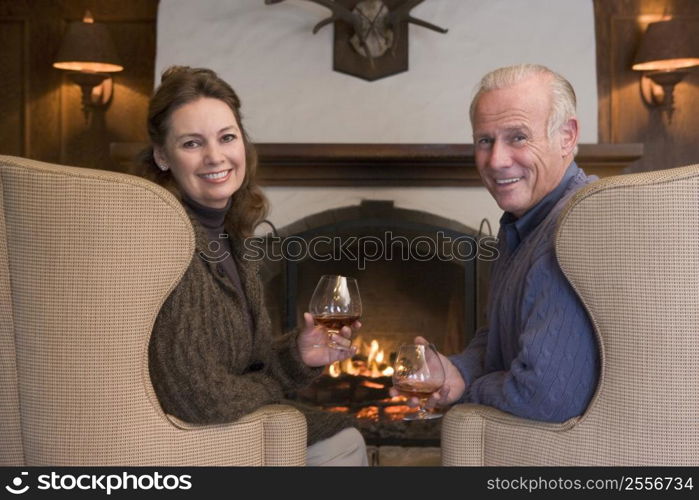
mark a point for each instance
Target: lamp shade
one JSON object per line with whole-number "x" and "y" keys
{"x": 88, "y": 46}
{"x": 668, "y": 45}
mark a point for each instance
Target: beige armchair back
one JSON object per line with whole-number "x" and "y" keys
{"x": 630, "y": 247}
{"x": 87, "y": 258}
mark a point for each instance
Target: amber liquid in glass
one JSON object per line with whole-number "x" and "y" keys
{"x": 416, "y": 390}
{"x": 336, "y": 321}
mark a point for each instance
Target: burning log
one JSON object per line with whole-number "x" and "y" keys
{"x": 360, "y": 387}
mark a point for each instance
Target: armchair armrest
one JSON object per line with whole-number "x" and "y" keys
{"x": 278, "y": 433}
{"x": 469, "y": 430}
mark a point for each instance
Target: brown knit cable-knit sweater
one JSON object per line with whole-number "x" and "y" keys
{"x": 207, "y": 367}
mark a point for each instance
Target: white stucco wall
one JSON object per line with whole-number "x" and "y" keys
{"x": 283, "y": 74}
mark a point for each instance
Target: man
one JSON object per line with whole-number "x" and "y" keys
{"x": 538, "y": 356}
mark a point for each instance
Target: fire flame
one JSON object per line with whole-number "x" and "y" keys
{"x": 373, "y": 367}
{"x": 334, "y": 370}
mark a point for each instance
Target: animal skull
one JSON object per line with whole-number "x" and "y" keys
{"x": 376, "y": 28}
{"x": 375, "y": 36}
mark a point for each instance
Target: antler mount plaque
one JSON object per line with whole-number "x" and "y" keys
{"x": 371, "y": 36}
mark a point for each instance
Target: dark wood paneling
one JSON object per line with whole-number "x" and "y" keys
{"x": 12, "y": 85}
{"x": 387, "y": 164}
{"x": 48, "y": 112}
{"x": 622, "y": 115}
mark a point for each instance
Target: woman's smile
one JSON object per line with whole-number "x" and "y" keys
{"x": 217, "y": 177}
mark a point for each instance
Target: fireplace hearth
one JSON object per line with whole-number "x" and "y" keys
{"x": 379, "y": 416}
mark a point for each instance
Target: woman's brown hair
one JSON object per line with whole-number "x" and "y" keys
{"x": 180, "y": 85}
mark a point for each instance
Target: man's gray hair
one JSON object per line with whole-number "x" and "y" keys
{"x": 563, "y": 99}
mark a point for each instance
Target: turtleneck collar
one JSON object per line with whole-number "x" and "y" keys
{"x": 210, "y": 218}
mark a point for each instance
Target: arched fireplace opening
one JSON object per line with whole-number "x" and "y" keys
{"x": 418, "y": 274}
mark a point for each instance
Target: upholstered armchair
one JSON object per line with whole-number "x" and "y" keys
{"x": 630, "y": 247}
{"x": 87, "y": 258}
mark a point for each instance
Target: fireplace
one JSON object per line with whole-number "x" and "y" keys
{"x": 418, "y": 274}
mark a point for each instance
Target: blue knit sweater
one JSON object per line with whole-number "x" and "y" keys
{"x": 538, "y": 357}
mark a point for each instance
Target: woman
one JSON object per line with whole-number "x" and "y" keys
{"x": 212, "y": 355}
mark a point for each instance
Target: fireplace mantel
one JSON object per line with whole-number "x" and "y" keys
{"x": 419, "y": 165}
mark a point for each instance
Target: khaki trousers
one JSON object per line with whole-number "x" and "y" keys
{"x": 346, "y": 449}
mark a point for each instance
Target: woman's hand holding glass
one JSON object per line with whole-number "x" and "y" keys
{"x": 314, "y": 343}
{"x": 335, "y": 304}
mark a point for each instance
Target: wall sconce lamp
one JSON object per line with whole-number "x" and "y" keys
{"x": 668, "y": 49}
{"x": 88, "y": 53}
